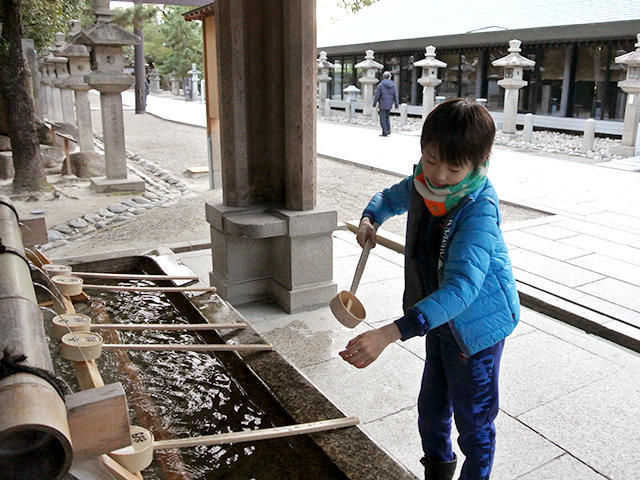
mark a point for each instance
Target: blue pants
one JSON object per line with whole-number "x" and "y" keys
{"x": 385, "y": 123}
{"x": 466, "y": 387}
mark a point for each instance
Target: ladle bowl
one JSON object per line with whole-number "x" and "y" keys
{"x": 70, "y": 322}
{"x": 348, "y": 315}
{"x": 52, "y": 269}
{"x": 139, "y": 454}
{"x": 81, "y": 346}
{"x": 68, "y": 285}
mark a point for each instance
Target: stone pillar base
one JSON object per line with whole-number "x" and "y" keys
{"x": 132, "y": 183}
{"x": 269, "y": 253}
{"x": 622, "y": 150}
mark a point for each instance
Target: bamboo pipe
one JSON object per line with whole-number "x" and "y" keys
{"x": 165, "y": 326}
{"x": 187, "y": 347}
{"x": 255, "y": 435}
{"x": 148, "y": 289}
{"x": 36, "y": 442}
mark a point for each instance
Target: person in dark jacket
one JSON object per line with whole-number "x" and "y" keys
{"x": 386, "y": 96}
{"x": 459, "y": 287}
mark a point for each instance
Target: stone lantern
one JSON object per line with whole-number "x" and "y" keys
{"x": 154, "y": 81}
{"x": 173, "y": 81}
{"x": 195, "y": 81}
{"x": 429, "y": 79}
{"x": 62, "y": 73}
{"x": 79, "y": 66}
{"x": 51, "y": 61}
{"x": 323, "y": 78}
{"x": 351, "y": 93}
{"x": 631, "y": 86}
{"x": 108, "y": 77}
{"x": 513, "y": 64}
{"x": 369, "y": 68}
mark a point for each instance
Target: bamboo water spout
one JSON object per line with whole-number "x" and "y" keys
{"x": 35, "y": 442}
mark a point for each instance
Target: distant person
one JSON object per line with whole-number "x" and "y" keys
{"x": 459, "y": 287}
{"x": 387, "y": 97}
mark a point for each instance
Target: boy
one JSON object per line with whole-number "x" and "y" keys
{"x": 459, "y": 287}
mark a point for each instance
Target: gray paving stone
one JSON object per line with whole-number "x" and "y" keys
{"x": 563, "y": 467}
{"x": 100, "y": 225}
{"x": 362, "y": 392}
{"x": 130, "y": 203}
{"x": 78, "y": 223}
{"x": 59, "y": 243}
{"x": 150, "y": 195}
{"x": 118, "y": 208}
{"x": 555, "y": 270}
{"x": 545, "y": 284}
{"x": 53, "y": 235}
{"x": 141, "y": 200}
{"x": 526, "y": 365}
{"x": 604, "y": 432}
{"x": 544, "y": 246}
{"x": 106, "y": 213}
{"x": 615, "y": 291}
{"x": 376, "y": 269}
{"x": 64, "y": 228}
{"x": 613, "y": 218}
{"x": 75, "y": 236}
{"x": 610, "y": 267}
{"x": 628, "y": 253}
{"x": 93, "y": 217}
{"x": 137, "y": 211}
{"x": 599, "y": 231}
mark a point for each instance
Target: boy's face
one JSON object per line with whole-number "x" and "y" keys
{"x": 438, "y": 173}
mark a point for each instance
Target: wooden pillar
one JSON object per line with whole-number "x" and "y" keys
{"x": 267, "y": 102}
{"x": 212, "y": 104}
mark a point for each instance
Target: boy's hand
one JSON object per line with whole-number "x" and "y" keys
{"x": 362, "y": 350}
{"x": 366, "y": 231}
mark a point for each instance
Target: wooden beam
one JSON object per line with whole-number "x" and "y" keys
{"x": 102, "y": 409}
{"x": 117, "y": 470}
{"x": 148, "y": 289}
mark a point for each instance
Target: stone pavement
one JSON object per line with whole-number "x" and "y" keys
{"x": 570, "y": 401}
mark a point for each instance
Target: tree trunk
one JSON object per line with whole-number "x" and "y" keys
{"x": 18, "y": 103}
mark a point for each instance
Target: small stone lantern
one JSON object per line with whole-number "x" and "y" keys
{"x": 323, "y": 78}
{"x": 429, "y": 79}
{"x": 513, "y": 64}
{"x": 631, "y": 86}
{"x": 154, "y": 81}
{"x": 79, "y": 66}
{"x": 62, "y": 73}
{"x": 108, "y": 77}
{"x": 195, "y": 81}
{"x": 369, "y": 68}
{"x": 352, "y": 95}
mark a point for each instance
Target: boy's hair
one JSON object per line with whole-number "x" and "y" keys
{"x": 461, "y": 131}
{"x": 386, "y": 75}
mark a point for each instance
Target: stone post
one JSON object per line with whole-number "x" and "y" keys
{"x": 203, "y": 91}
{"x": 323, "y": 78}
{"x": 47, "y": 87}
{"x": 31, "y": 58}
{"x": 56, "y": 99}
{"x": 512, "y": 82}
{"x": 154, "y": 84}
{"x": 195, "y": 82}
{"x": 527, "y": 131}
{"x": 108, "y": 77}
{"x": 173, "y": 81}
{"x": 429, "y": 79}
{"x": 369, "y": 68}
{"x": 404, "y": 110}
{"x": 62, "y": 73}
{"x": 589, "y": 135}
{"x": 327, "y": 108}
{"x": 631, "y": 86}
{"x": 79, "y": 66}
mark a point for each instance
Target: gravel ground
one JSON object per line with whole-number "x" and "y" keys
{"x": 175, "y": 147}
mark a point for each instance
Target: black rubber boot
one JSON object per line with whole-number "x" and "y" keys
{"x": 439, "y": 470}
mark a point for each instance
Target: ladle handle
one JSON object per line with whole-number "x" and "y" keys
{"x": 360, "y": 268}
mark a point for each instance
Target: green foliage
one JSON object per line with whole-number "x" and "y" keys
{"x": 355, "y": 5}
{"x": 41, "y": 19}
{"x": 182, "y": 41}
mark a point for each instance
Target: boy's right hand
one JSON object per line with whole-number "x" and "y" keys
{"x": 366, "y": 231}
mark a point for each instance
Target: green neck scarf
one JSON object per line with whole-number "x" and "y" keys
{"x": 440, "y": 201}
